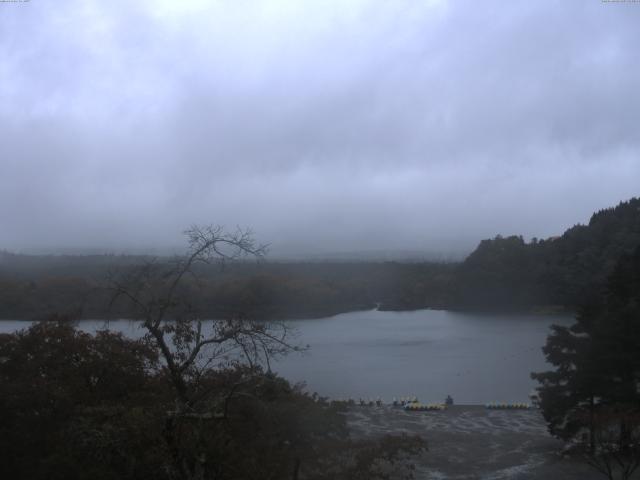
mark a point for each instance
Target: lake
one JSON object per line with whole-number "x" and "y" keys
{"x": 475, "y": 358}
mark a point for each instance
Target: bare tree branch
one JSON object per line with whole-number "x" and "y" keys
{"x": 176, "y": 328}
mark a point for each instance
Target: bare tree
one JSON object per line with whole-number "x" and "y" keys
{"x": 189, "y": 347}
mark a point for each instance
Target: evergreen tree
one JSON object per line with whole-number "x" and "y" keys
{"x": 594, "y": 389}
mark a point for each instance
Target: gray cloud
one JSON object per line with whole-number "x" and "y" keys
{"x": 324, "y": 125}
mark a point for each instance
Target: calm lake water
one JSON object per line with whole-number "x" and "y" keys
{"x": 476, "y": 358}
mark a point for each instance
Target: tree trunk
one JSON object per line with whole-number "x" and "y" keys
{"x": 592, "y": 427}
{"x": 296, "y": 468}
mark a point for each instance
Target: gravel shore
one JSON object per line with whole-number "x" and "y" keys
{"x": 472, "y": 442}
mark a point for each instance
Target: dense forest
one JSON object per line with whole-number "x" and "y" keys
{"x": 31, "y": 287}
{"x": 504, "y": 273}
{"x": 556, "y": 273}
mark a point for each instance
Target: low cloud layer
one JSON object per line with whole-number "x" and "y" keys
{"x": 325, "y": 126}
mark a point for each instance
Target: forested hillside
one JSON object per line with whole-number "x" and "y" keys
{"x": 509, "y": 273}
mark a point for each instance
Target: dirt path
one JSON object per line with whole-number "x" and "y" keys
{"x": 471, "y": 442}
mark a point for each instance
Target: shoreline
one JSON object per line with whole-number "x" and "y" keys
{"x": 540, "y": 311}
{"x": 470, "y": 441}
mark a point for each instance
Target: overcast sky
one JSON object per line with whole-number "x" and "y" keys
{"x": 333, "y": 125}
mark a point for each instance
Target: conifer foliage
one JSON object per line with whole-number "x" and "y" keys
{"x": 593, "y": 396}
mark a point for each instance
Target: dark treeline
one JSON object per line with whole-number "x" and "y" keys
{"x": 591, "y": 398}
{"x": 78, "y": 406}
{"x": 505, "y": 273}
{"x": 30, "y": 287}
{"x": 556, "y": 273}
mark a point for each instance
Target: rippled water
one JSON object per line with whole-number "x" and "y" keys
{"x": 476, "y": 358}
